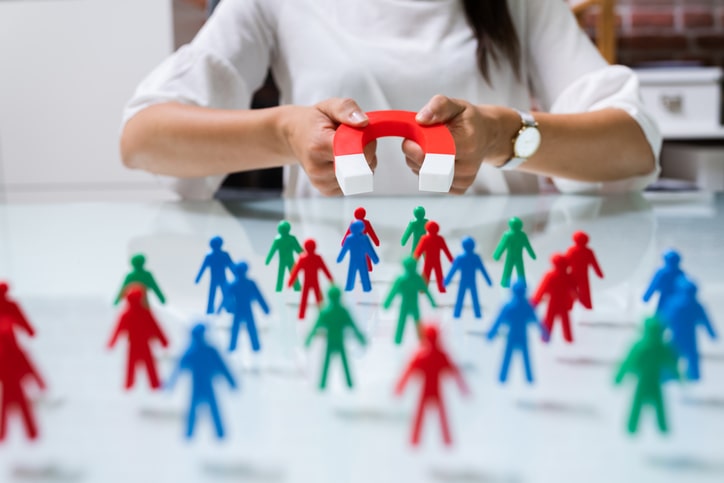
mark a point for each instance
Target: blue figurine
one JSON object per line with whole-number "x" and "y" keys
{"x": 360, "y": 247}
{"x": 517, "y": 314}
{"x": 682, "y": 314}
{"x": 204, "y": 363}
{"x": 664, "y": 281}
{"x": 217, "y": 261}
{"x": 468, "y": 264}
{"x": 240, "y": 295}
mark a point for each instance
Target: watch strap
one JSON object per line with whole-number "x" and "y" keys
{"x": 527, "y": 120}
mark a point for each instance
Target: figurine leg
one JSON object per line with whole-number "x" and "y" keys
{"x": 350, "y": 277}
{"x": 458, "y": 310}
{"x": 692, "y": 366}
{"x": 235, "y": 326}
{"x": 417, "y": 422}
{"x": 212, "y": 297}
{"x": 507, "y": 271}
{"x": 343, "y": 356}
{"x": 476, "y": 302}
{"x": 443, "y": 422}
{"x": 633, "y": 421}
{"x": 253, "y": 335}
{"x": 660, "y": 413}
{"x": 566, "y": 325}
{"x": 280, "y": 278}
{"x": 439, "y": 278}
{"x": 400, "y": 328}
{"x": 151, "y": 371}
{"x": 30, "y": 428}
{"x": 191, "y": 419}
{"x": 364, "y": 277}
{"x": 3, "y": 418}
{"x": 506, "y": 362}
{"x": 325, "y": 369}
{"x": 520, "y": 268}
{"x": 526, "y": 364}
{"x": 130, "y": 371}
{"x": 303, "y": 302}
{"x": 297, "y": 286}
{"x": 216, "y": 417}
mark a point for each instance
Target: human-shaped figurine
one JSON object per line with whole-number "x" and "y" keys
{"x": 359, "y": 214}
{"x": 310, "y": 263}
{"x": 682, "y": 314}
{"x": 140, "y": 326}
{"x": 664, "y": 281}
{"x": 360, "y": 250}
{"x": 468, "y": 264}
{"x": 217, "y": 261}
{"x": 204, "y": 364}
{"x": 11, "y": 315}
{"x": 415, "y": 228}
{"x": 15, "y": 370}
{"x": 334, "y": 320}
{"x": 431, "y": 246}
{"x": 559, "y": 287}
{"x": 408, "y": 286}
{"x": 242, "y": 293}
{"x": 514, "y": 241}
{"x": 432, "y": 363}
{"x": 580, "y": 259}
{"x": 516, "y": 315}
{"x": 140, "y": 275}
{"x": 650, "y": 360}
{"x": 286, "y": 245}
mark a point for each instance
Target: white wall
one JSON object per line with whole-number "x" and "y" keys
{"x": 66, "y": 69}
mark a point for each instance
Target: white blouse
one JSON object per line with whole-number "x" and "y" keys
{"x": 392, "y": 54}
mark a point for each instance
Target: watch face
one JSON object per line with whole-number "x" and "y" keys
{"x": 527, "y": 142}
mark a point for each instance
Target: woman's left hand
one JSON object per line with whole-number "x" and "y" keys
{"x": 481, "y": 134}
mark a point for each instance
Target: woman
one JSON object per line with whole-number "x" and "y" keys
{"x": 473, "y": 65}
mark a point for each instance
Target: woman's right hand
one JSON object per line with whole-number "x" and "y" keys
{"x": 309, "y": 132}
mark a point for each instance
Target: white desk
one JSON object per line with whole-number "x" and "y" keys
{"x": 65, "y": 263}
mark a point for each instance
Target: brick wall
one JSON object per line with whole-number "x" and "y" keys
{"x": 663, "y": 30}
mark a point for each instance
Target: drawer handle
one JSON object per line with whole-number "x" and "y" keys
{"x": 674, "y": 103}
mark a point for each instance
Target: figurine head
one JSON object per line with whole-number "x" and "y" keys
{"x": 515, "y": 224}
{"x": 519, "y": 288}
{"x": 559, "y": 262}
{"x": 198, "y": 333}
{"x": 468, "y": 244}
{"x": 357, "y": 227}
{"x": 284, "y": 227}
{"x": 430, "y": 334}
{"x": 310, "y": 245}
{"x": 672, "y": 259}
{"x": 137, "y": 261}
{"x": 334, "y": 294}
{"x": 4, "y": 287}
{"x": 240, "y": 269}
{"x": 410, "y": 265}
{"x": 686, "y": 286}
{"x": 216, "y": 242}
{"x": 360, "y": 213}
{"x": 419, "y": 212}
{"x": 432, "y": 227}
{"x": 580, "y": 238}
{"x": 135, "y": 293}
{"x": 653, "y": 329}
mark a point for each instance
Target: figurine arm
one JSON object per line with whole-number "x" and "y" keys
{"x": 392, "y": 294}
{"x": 343, "y": 251}
{"x": 173, "y": 378}
{"x": 406, "y": 234}
{"x": 626, "y": 365}
{"x": 22, "y": 322}
{"x": 481, "y": 267}
{"x": 260, "y": 298}
{"x": 540, "y": 292}
{"x": 455, "y": 371}
{"x": 706, "y": 322}
{"x": 529, "y": 248}
{"x": 318, "y": 325}
{"x": 223, "y": 369}
{"x": 402, "y": 382}
{"x": 324, "y": 268}
{"x": 502, "y": 316}
{"x": 371, "y": 233}
{"x": 426, "y": 289}
{"x": 502, "y": 245}
{"x": 357, "y": 333}
{"x": 120, "y": 328}
{"x": 156, "y": 290}
{"x": 454, "y": 268}
{"x": 596, "y": 267}
{"x": 272, "y": 250}
{"x": 296, "y": 246}
{"x": 371, "y": 252}
{"x": 420, "y": 249}
{"x": 202, "y": 270}
{"x": 121, "y": 291}
{"x": 653, "y": 286}
{"x": 446, "y": 250}
{"x": 294, "y": 273}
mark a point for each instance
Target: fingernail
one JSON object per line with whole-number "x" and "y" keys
{"x": 425, "y": 115}
{"x": 358, "y": 116}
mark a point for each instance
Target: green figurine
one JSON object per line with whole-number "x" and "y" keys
{"x": 334, "y": 319}
{"x": 140, "y": 275}
{"x": 287, "y": 245}
{"x": 416, "y": 228}
{"x": 408, "y": 286}
{"x": 651, "y": 360}
{"x": 514, "y": 241}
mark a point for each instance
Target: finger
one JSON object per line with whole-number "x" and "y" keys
{"x": 343, "y": 111}
{"x": 413, "y": 151}
{"x": 440, "y": 110}
{"x": 370, "y": 152}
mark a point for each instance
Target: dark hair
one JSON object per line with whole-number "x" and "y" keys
{"x": 493, "y": 27}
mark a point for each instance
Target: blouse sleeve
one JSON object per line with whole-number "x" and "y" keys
{"x": 568, "y": 75}
{"x": 221, "y": 68}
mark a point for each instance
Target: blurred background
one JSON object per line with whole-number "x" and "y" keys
{"x": 68, "y": 66}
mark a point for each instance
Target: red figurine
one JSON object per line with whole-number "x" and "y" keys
{"x": 141, "y": 327}
{"x": 15, "y": 367}
{"x": 359, "y": 214}
{"x": 310, "y": 263}
{"x": 560, "y": 287}
{"x": 431, "y": 244}
{"x": 433, "y": 364}
{"x": 580, "y": 258}
{"x": 11, "y": 315}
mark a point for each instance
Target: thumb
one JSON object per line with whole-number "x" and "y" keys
{"x": 343, "y": 111}
{"x": 439, "y": 110}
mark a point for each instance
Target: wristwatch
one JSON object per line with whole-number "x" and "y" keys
{"x": 525, "y": 143}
